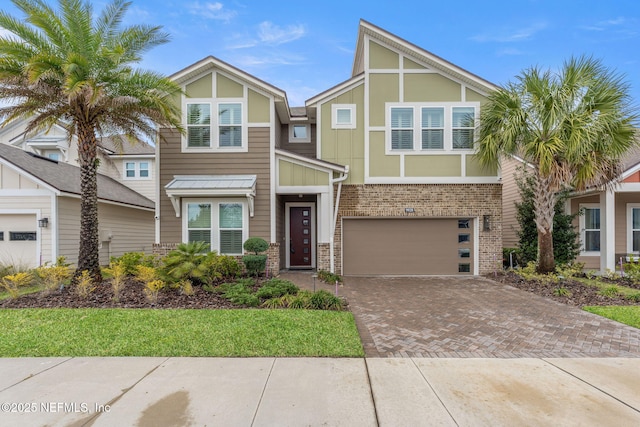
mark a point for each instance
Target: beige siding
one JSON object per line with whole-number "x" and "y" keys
{"x": 259, "y": 108}
{"x": 590, "y": 262}
{"x": 382, "y": 58}
{"x": 227, "y": 88}
{"x": 446, "y": 165}
{"x": 295, "y": 174}
{"x": 622, "y": 200}
{"x": 115, "y": 168}
{"x": 383, "y": 88}
{"x": 379, "y": 163}
{"x": 510, "y": 196}
{"x": 131, "y": 230}
{"x": 345, "y": 146}
{"x": 254, "y": 162}
{"x": 12, "y": 180}
{"x": 201, "y": 88}
{"x": 474, "y": 168}
{"x": 430, "y": 88}
{"x": 41, "y": 203}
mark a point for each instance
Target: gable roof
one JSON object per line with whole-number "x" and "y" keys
{"x": 433, "y": 61}
{"x": 65, "y": 178}
{"x": 124, "y": 148}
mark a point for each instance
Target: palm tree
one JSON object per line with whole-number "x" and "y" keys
{"x": 572, "y": 126}
{"x": 70, "y": 67}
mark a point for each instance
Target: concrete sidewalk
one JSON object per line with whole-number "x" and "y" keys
{"x": 317, "y": 391}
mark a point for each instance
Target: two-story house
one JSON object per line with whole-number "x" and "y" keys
{"x": 40, "y": 190}
{"x": 374, "y": 176}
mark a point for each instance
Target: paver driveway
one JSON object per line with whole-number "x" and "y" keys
{"x": 476, "y": 317}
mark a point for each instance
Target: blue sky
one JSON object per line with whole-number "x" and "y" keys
{"x": 306, "y": 47}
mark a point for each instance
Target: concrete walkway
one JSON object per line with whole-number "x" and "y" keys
{"x": 472, "y": 317}
{"x": 319, "y": 392}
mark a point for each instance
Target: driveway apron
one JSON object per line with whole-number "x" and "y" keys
{"x": 476, "y": 317}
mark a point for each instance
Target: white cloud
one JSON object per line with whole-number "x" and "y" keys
{"x": 272, "y": 34}
{"x": 509, "y": 52}
{"x": 276, "y": 58}
{"x": 509, "y": 35}
{"x": 606, "y": 24}
{"x": 211, "y": 10}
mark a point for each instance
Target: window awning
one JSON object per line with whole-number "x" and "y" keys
{"x": 211, "y": 186}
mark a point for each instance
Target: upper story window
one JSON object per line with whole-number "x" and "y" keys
{"x": 299, "y": 133}
{"x": 223, "y": 130}
{"x": 343, "y": 116}
{"x": 137, "y": 170}
{"x": 429, "y": 126}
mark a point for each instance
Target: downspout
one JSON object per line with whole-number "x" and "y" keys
{"x": 339, "y": 180}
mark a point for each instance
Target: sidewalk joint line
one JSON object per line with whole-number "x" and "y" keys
{"x": 264, "y": 389}
{"x": 434, "y": 391}
{"x": 373, "y": 400}
{"x": 589, "y": 384}
{"x": 36, "y": 374}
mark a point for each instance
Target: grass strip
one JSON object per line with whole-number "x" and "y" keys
{"x": 629, "y": 315}
{"x": 149, "y": 332}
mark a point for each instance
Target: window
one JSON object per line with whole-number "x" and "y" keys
{"x": 402, "y": 128}
{"x": 53, "y": 156}
{"x": 198, "y": 125}
{"x": 343, "y": 116}
{"x": 590, "y": 228}
{"x": 432, "y": 128}
{"x": 199, "y": 222}
{"x": 133, "y": 170}
{"x": 464, "y": 268}
{"x": 230, "y": 228}
{"x": 221, "y": 223}
{"x": 1, "y": 236}
{"x": 299, "y": 133}
{"x": 464, "y": 223}
{"x": 230, "y": 129}
{"x": 22, "y": 235}
{"x": 463, "y": 124}
{"x": 633, "y": 228}
{"x": 464, "y": 253}
{"x": 464, "y": 238}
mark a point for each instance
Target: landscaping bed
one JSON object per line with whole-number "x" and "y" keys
{"x": 574, "y": 291}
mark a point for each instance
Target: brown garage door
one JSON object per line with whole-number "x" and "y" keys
{"x": 407, "y": 246}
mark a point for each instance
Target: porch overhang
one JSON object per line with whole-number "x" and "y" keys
{"x": 211, "y": 186}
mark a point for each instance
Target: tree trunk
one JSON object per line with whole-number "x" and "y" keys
{"x": 546, "y": 260}
{"x": 544, "y": 207}
{"x": 88, "y": 256}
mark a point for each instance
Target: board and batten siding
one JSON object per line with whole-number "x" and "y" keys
{"x": 131, "y": 230}
{"x": 256, "y": 161}
{"x": 32, "y": 203}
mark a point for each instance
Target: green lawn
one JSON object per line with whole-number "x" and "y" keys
{"x": 148, "y": 332}
{"x": 629, "y": 315}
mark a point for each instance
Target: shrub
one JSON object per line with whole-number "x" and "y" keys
{"x": 561, "y": 292}
{"x": 240, "y": 293}
{"x": 186, "y": 287}
{"x": 12, "y": 282}
{"x": 329, "y": 277}
{"x": 84, "y": 284}
{"x": 53, "y": 276}
{"x": 255, "y": 264}
{"x": 184, "y": 261}
{"x": 568, "y": 271}
{"x": 255, "y": 245}
{"x": 118, "y": 274}
{"x": 275, "y": 288}
{"x": 131, "y": 260}
{"x": 324, "y": 300}
{"x": 635, "y": 297}
{"x": 229, "y": 266}
{"x": 301, "y": 300}
{"x": 152, "y": 290}
{"x": 610, "y": 291}
{"x": 146, "y": 274}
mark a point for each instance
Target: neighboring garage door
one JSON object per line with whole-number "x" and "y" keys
{"x": 407, "y": 246}
{"x": 18, "y": 243}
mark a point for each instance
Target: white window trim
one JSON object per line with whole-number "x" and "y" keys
{"x": 334, "y": 116}
{"x": 293, "y": 139}
{"x": 630, "y": 207}
{"x": 136, "y": 170}
{"x": 215, "y": 123}
{"x": 582, "y": 229}
{"x": 417, "y": 127}
{"x": 215, "y": 219}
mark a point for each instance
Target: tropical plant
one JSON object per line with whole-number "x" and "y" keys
{"x": 572, "y": 126}
{"x": 12, "y": 282}
{"x": 68, "y": 67}
{"x": 566, "y": 244}
{"x": 184, "y": 260}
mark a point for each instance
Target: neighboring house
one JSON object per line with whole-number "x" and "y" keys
{"x": 130, "y": 164}
{"x": 609, "y": 225}
{"x": 376, "y": 175}
{"x": 40, "y": 212}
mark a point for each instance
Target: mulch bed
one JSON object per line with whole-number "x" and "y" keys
{"x": 132, "y": 296}
{"x": 580, "y": 294}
